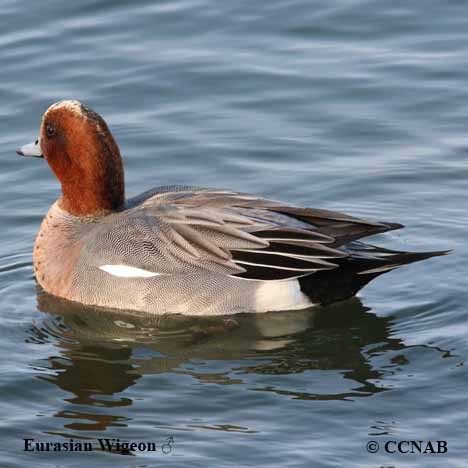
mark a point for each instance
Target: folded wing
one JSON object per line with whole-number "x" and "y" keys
{"x": 187, "y": 230}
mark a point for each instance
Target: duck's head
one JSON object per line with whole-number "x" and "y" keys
{"x": 80, "y": 150}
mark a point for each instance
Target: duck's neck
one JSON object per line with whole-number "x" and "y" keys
{"x": 94, "y": 189}
{"x": 83, "y": 199}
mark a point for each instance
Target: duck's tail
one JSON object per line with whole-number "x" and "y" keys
{"x": 365, "y": 263}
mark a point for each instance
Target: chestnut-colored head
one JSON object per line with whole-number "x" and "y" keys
{"x": 85, "y": 158}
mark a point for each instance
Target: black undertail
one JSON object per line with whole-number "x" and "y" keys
{"x": 354, "y": 272}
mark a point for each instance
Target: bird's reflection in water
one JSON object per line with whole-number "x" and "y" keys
{"x": 103, "y": 353}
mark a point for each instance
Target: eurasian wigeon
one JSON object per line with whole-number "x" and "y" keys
{"x": 183, "y": 249}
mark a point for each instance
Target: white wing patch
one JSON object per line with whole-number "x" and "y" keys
{"x": 125, "y": 271}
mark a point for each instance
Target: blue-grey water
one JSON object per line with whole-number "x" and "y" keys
{"x": 359, "y": 106}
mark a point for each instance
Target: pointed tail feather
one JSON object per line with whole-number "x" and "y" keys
{"x": 355, "y": 272}
{"x": 395, "y": 259}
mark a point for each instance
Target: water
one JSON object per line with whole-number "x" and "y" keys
{"x": 359, "y": 106}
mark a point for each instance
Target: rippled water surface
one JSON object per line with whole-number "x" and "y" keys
{"x": 360, "y": 106}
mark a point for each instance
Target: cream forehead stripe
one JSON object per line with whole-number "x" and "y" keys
{"x": 77, "y": 109}
{"x": 125, "y": 271}
{"x": 73, "y": 106}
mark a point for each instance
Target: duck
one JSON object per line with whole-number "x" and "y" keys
{"x": 185, "y": 249}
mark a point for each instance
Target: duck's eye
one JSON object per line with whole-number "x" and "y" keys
{"x": 50, "y": 131}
